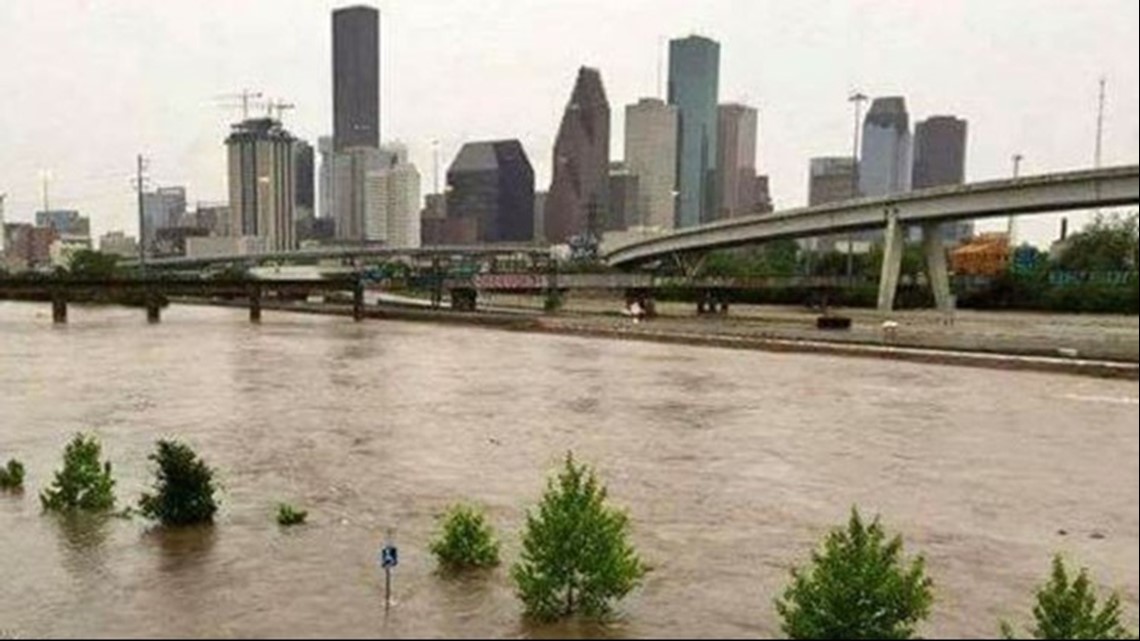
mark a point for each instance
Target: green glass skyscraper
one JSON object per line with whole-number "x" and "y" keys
{"x": 694, "y": 84}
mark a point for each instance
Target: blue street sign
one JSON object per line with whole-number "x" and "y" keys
{"x": 389, "y": 557}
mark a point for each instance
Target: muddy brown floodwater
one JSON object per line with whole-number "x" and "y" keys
{"x": 732, "y": 465}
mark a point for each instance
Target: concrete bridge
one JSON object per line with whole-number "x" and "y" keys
{"x": 151, "y": 293}
{"x": 927, "y": 209}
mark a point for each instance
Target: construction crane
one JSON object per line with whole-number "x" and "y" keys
{"x": 245, "y": 96}
{"x": 278, "y": 106}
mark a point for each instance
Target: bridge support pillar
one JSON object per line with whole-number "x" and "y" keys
{"x": 892, "y": 263}
{"x": 358, "y": 302}
{"x": 936, "y": 269}
{"x": 255, "y": 305}
{"x": 153, "y": 309}
{"x": 59, "y": 310}
{"x": 464, "y": 300}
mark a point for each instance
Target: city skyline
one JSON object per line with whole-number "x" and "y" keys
{"x": 181, "y": 128}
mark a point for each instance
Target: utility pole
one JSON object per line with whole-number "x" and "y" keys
{"x": 140, "y": 184}
{"x": 1099, "y": 158}
{"x": 857, "y": 98}
{"x": 1011, "y": 229}
{"x": 45, "y": 180}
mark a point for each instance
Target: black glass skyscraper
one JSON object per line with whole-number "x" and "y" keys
{"x": 356, "y": 77}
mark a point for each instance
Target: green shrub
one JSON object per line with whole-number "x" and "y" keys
{"x": 183, "y": 487}
{"x": 288, "y": 516}
{"x": 858, "y": 587}
{"x": 84, "y": 483}
{"x": 467, "y": 541}
{"x": 576, "y": 554}
{"x": 1068, "y": 610}
{"x": 12, "y": 476}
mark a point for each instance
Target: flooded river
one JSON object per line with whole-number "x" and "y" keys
{"x": 732, "y": 465}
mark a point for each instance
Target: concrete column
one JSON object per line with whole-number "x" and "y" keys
{"x": 153, "y": 309}
{"x": 255, "y": 305}
{"x": 936, "y": 269}
{"x": 59, "y": 310}
{"x": 358, "y": 302}
{"x": 892, "y": 263}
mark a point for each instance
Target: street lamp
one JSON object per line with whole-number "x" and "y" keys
{"x": 1011, "y": 228}
{"x": 857, "y": 98}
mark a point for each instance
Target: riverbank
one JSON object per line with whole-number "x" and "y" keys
{"x": 907, "y": 346}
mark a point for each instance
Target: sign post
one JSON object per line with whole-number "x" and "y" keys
{"x": 389, "y": 558}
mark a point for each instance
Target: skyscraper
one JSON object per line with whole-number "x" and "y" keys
{"x": 490, "y": 196}
{"x": 940, "y": 160}
{"x": 651, "y": 136}
{"x": 580, "y": 187}
{"x": 624, "y": 210}
{"x": 736, "y": 161}
{"x": 261, "y": 183}
{"x": 356, "y": 214}
{"x": 694, "y": 87}
{"x": 885, "y": 165}
{"x": 939, "y": 152}
{"x": 832, "y": 180}
{"x": 356, "y": 77}
{"x": 325, "y": 181}
{"x": 393, "y": 202}
{"x": 303, "y": 166}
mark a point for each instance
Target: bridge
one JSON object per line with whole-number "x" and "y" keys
{"x": 151, "y": 293}
{"x": 927, "y": 209}
{"x": 348, "y": 254}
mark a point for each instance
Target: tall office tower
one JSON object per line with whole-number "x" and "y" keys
{"x": 694, "y": 86}
{"x": 885, "y": 165}
{"x": 579, "y": 191}
{"x": 393, "y": 206}
{"x": 261, "y": 175}
{"x": 303, "y": 160}
{"x": 356, "y": 77}
{"x": 736, "y": 161}
{"x": 490, "y": 196}
{"x": 625, "y": 200}
{"x": 356, "y": 214}
{"x": 325, "y": 180}
{"x": 651, "y": 135}
{"x": 163, "y": 208}
{"x": 939, "y": 152}
{"x": 832, "y": 180}
{"x": 940, "y": 161}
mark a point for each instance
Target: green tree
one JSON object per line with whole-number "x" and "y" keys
{"x": 576, "y": 553}
{"x": 1108, "y": 244}
{"x": 1068, "y": 610}
{"x": 84, "y": 483}
{"x": 183, "y": 487}
{"x": 12, "y": 476}
{"x": 92, "y": 264}
{"x": 467, "y": 541}
{"x": 858, "y": 587}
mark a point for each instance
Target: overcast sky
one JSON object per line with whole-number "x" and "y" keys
{"x": 85, "y": 85}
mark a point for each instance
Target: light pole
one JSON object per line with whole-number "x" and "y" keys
{"x": 857, "y": 98}
{"x": 1011, "y": 228}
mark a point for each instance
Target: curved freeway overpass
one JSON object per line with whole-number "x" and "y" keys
{"x": 1112, "y": 187}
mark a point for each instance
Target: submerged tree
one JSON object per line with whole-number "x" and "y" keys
{"x": 183, "y": 487}
{"x": 858, "y": 587}
{"x": 467, "y": 541}
{"x": 12, "y": 476}
{"x": 1068, "y": 610}
{"x": 84, "y": 483}
{"x": 576, "y": 551}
